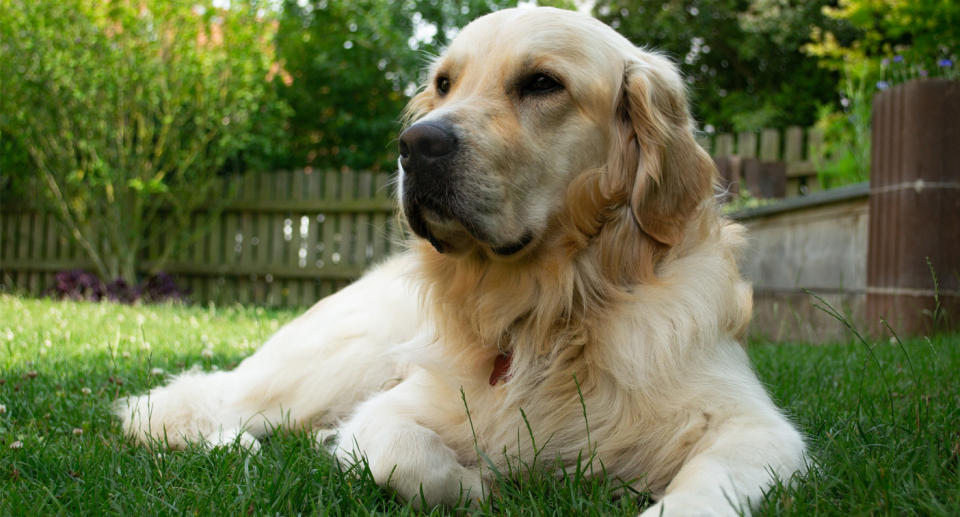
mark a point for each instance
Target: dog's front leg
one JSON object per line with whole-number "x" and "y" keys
{"x": 388, "y": 432}
{"x": 731, "y": 468}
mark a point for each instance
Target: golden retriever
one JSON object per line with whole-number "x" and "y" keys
{"x": 572, "y": 273}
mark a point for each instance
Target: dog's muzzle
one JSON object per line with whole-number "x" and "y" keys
{"x": 428, "y": 152}
{"x": 435, "y": 203}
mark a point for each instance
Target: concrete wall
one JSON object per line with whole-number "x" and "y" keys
{"x": 816, "y": 243}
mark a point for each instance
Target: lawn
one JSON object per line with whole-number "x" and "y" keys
{"x": 882, "y": 423}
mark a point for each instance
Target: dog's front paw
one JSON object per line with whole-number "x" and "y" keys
{"x": 326, "y": 439}
{"x": 236, "y": 437}
{"x": 414, "y": 463}
{"x": 692, "y": 506}
{"x": 441, "y": 483}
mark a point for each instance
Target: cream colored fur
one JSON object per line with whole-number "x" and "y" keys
{"x": 627, "y": 305}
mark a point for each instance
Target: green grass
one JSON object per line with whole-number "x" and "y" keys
{"x": 883, "y": 423}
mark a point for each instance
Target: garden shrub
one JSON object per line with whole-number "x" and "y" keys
{"x": 128, "y": 111}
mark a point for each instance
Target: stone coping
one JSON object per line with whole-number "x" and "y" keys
{"x": 825, "y": 197}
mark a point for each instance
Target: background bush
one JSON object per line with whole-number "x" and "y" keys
{"x": 126, "y": 111}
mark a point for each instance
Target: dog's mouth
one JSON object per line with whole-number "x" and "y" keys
{"x": 513, "y": 248}
{"x": 443, "y": 232}
{"x": 450, "y": 233}
{"x": 437, "y": 208}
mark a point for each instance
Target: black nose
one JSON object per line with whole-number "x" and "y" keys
{"x": 427, "y": 142}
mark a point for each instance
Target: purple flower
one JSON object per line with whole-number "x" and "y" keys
{"x": 923, "y": 73}
{"x": 885, "y": 61}
{"x": 944, "y": 63}
{"x": 898, "y": 59}
{"x": 882, "y": 85}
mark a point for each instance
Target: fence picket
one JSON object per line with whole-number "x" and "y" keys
{"x": 51, "y": 251}
{"x": 4, "y": 237}
{"x": 7, "y": 242}
{"x": 747, "y": 145}
{"x": 330, "y": 223}
{"x": 723, "y": 145}
{"x": 793, "y": 147}
{"x": 215, "y": 256}
{"x": 347, "y": 235}
{"x": 362, "y": 228}
{"x": 770, "y": 145}
{"x": 379, "y": 230}
{"x": 304, "y": 227}
{"x": 312, "y": 190}
{"x": 34, "y": 244}
{"x": 814, "y": 143}
{"x": 199, "y": 254}
{"x": 23, "y": 249}
{"x": 12, "y": 232}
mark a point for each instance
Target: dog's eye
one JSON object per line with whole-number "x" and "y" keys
{"x": 443, "y": 84}
{"x": 540, "y": 84}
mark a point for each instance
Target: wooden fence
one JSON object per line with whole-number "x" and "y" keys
{"x": 285, "y": 239}
{"x": 290, "y": 238}
{"x": 756, "y": 159}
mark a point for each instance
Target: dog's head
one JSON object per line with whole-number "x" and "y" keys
{"x": 525, "y": 101}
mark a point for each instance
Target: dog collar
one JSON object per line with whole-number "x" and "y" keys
{"x": 501, "y": 368}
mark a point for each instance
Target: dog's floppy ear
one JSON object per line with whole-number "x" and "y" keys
{"x": 667, "y": 173}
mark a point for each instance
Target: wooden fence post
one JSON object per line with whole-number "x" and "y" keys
{"x": 915, "y": 208}
{"x": 765, "y": 179}
{"x": 728, "y": 170}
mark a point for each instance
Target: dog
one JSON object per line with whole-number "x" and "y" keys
{"x": 571, "y": 293}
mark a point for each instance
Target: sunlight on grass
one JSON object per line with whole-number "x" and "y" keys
{"x": 49, "y": 333}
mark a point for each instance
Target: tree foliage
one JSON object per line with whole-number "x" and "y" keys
{"x": 353, "y": 66}
{"x": 128, "y": 109}
{"x": 893, "y": 41}
{"x": 742, "y": 58}
{"x": 350, "y": 68}
{"x": 919, "y": 33}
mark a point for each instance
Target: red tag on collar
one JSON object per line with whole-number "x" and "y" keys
{"x": 501, "y": 366}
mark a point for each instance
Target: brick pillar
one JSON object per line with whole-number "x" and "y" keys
{"x": 914, "y": 206}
